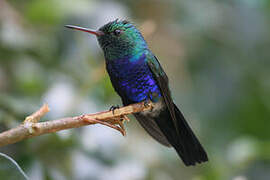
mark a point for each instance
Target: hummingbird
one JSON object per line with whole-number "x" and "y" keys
{"x": 137, "y": 76}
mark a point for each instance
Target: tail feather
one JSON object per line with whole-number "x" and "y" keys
{"x": 185, "y": 142}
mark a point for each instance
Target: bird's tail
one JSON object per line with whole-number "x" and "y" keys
{"x": 185, "y": 142}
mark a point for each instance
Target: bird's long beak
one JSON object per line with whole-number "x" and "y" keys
{"x": 95, "y": 32}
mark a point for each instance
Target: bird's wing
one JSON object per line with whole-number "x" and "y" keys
{"x": 151, "y": 127}
{"x": 163, "y": 84}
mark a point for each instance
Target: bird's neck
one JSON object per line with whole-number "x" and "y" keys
{"x": 130, "y": 49}
{"x": 132, "y": 54}
{"x": 128, "y": 60}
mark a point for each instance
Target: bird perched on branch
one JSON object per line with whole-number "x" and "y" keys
{"x": 137, "y": 75}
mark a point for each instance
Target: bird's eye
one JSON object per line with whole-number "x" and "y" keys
{"x": 117, "y": 32}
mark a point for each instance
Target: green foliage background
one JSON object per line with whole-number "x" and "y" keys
{"x": 216, "y": 54}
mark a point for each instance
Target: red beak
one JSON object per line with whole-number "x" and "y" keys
{"x": 97, "y": 33}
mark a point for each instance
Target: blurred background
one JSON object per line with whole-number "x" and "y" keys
{"x": 216, "y": 54}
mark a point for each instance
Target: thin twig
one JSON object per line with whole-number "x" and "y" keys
{"x": 16, "y": 164}
{"x": 35, "y": 117}
{"x": 31, "y": 128}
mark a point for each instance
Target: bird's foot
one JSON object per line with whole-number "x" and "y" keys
{"x": 147, "y": 103}
{"x": 112, "y": 108}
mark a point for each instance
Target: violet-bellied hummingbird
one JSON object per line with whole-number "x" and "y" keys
{"x": 137, "y": 76}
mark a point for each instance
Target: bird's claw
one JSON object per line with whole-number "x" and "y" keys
{"x": 112, "y": 108}
{"x": 147, "y": 102}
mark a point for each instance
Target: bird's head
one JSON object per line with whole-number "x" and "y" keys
{"x": 118, "y": 39}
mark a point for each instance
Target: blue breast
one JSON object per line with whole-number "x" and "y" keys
{"x": 133, "y": 79}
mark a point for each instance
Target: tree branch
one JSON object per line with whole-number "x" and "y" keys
{"x": 31, "y": 127}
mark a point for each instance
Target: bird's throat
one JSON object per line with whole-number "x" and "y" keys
{"x": 132, "y": 54}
